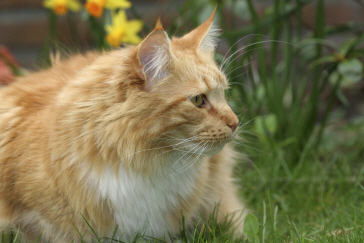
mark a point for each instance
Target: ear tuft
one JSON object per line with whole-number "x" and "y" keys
{"x": 204, "y": 37}
{"x": 209, "y": 41}
{"x": 158, "y": 25}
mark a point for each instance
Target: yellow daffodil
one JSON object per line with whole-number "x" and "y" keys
{"x": 122, "y": 30}
{"x": 61, "y": 7}
{"x": 96, "y": 7}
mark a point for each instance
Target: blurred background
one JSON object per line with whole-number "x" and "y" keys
{"x": 297, "y": 84}
{"x": 24, "y": 23}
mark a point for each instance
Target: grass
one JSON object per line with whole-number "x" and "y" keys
{"x": 322, "y": 196}
{"x": 303, "y": 173}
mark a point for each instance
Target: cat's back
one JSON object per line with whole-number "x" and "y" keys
{"x": 25, "y": 108}
{"x": 26, "y": 103}
{"x": 39, "y": 89}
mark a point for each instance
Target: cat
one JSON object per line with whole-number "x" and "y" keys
{"x": 132, "y": 138}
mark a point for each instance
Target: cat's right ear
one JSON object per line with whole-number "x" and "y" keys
{"x": 153, "y": 57}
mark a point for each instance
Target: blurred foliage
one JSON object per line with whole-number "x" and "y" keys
{"x": 279, "y": 70}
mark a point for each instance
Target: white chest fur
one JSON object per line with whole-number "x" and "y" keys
{"x": 143, "y": 204}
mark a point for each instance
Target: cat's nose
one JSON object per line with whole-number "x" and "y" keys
{"x": 233, "y": 123}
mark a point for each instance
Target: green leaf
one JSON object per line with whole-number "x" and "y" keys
{"x": 240, "y": 9}
{"x": 322, "y": 60}
{"x": 346, "y": 46}
{"x": 251, "y": 227}
{"x": 266, "y": 124}
{"x": 351, "y": 71}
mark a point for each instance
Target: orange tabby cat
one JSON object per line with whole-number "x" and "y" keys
{"x": 129, "y": 138}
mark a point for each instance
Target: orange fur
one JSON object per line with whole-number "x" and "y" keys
{"x": 63, "y": 129}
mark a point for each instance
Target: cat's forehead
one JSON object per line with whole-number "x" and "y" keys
{"x": 201, "y": 69}
{"x": 208, "y": 77}
{"x": 212, "y": 80}
{"x": 201, "y": 84}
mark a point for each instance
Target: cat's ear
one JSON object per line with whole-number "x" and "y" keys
{"x": 153, "y": 57}
{"x": 205, "y": 36}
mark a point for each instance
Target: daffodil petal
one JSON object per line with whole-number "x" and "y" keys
{"x": 132, "y": 39}
{"x": 48, "y": 3}
{"x": 134, "y": 26}
{"x": 123, "y": 30}
{"x": 74, "y": 5}
{"x": 114, "y": 4}
{"x": 108, "y": 28}
{"x": 120, "y": 17}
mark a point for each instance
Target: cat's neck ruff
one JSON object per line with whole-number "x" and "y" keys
{"x": 151, "y": 199}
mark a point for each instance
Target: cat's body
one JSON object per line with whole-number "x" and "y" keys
{"x": 106, "y": 135}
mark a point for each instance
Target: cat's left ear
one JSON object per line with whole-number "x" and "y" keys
{"x": 204, "y": 37}
{"x": 153, "y": 57}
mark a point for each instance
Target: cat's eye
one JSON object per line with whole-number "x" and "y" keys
{"x": 197, "y": 100}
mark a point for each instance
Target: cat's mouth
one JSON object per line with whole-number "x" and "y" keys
{"x": 208, "y": 142}
{"x": 216, "y": 136}
{"x": 212, "y": 145}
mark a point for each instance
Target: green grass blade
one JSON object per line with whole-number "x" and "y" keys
{"x": 93, "y": 231}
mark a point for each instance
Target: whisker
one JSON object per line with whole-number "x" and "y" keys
{"x": 238, "y": 42}
{"x": 241, "y": 125}
{"x": 239, "y": 76}
{"x": 246, "y": 52}
{"x": 259, "y": 42}
{"x": 239, "y": 67}
{"x": 194, "y": 151}
{"x": 193, "y": 161}
{"x": 186, "y": 154}
{"x": 178, "y": 138}
{"x": 231, "y": 61}
{"x": 228, "y": 94}
{"x": 212, "y": 143}
{"x": 167, "y": 146}
{"x": 259, "y": 150}
{"x": 173, "y": 149}
{"x": 242, "y": 85}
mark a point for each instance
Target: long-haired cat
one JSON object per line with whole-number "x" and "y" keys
{"x": 132, "y": 138}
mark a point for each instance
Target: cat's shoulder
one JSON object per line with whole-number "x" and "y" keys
{"x": 39, "y": 86}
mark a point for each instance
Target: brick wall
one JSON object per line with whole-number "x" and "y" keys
{"x": 24, "y": 23}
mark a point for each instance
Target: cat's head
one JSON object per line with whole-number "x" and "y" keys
{"x": 183, "y": 76}
{"x": 163, "y": 93}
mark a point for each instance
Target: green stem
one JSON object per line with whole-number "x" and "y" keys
{"x": 74, "y": 32}
{"x": 268, "y": 21}
{"x": 97, "y": 32}
{"x": 53, "y": 33}
{"x": 328, "y": 109}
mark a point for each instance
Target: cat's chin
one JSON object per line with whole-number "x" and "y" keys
{"x": 214, "y": 149}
